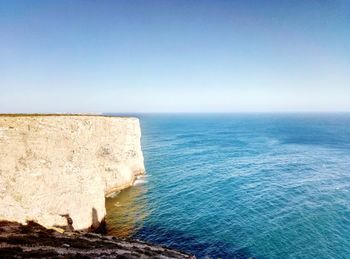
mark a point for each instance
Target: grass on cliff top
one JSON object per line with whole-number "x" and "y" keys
{"x": 55, "y": 114}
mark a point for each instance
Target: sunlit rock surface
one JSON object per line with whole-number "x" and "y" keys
{"x": 65, "y": 165}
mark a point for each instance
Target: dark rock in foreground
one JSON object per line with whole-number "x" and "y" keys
{"x": 33, "y": 240}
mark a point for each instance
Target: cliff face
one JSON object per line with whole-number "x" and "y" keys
{"x": 65, "y": 165}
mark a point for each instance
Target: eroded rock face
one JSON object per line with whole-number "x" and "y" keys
{"x": 64, "y": 165}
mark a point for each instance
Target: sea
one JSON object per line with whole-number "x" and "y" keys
{"x": 258, "y": 185}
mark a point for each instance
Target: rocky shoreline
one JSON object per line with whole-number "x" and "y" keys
{"x": 33, "y": 241}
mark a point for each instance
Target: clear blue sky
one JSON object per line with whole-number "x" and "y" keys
{"x": 174, "y": 56}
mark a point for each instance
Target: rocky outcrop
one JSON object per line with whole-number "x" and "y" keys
{"x": 33, "y": 241}
{"x": 62, "y": 166}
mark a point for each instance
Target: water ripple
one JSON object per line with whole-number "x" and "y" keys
{"x": 242, "y": 186}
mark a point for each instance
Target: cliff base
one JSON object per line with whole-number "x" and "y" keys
{"x": 33, "y": 241}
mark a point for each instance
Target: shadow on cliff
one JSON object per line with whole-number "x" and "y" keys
{"x": 95, "y": 227}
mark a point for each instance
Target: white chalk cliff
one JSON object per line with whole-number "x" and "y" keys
{"x": 65, "y": 165}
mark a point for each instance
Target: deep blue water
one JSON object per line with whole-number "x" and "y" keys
{"x": 241, "y": 186}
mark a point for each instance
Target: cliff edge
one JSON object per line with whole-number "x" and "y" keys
{"x": 59, "y": 167}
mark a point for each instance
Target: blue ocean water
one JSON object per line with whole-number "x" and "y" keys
{"x": 241, "y": 186}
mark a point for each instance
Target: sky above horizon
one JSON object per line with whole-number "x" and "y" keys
{"x": 174, "y": 56}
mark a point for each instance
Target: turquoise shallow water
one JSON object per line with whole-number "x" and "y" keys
{"x": 241, "y": 186}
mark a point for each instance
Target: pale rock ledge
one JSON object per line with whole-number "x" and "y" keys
{"x": 56, "y": 165}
